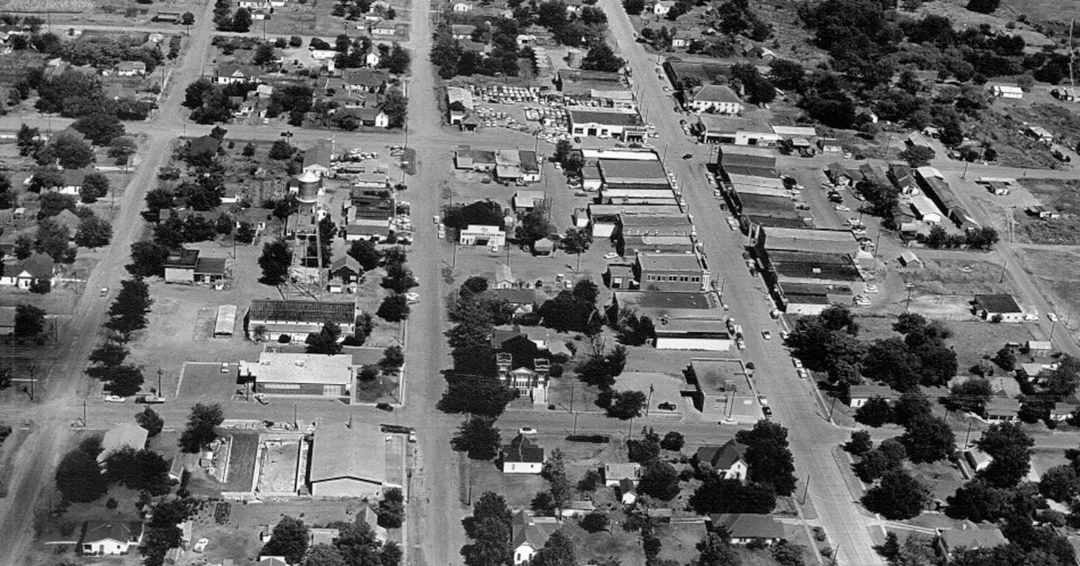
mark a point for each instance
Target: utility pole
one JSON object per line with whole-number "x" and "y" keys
{"x": 648, "y": 403}
{"x": 831, "y": 408}
{"x": 84, "y": 413}
{"x": 159, "y": 372}
{"x": 1003, "y": 266}
{"x": 907, "y": 305}
{"x": 806, "y": 488}
{"x": 968, "y": 435}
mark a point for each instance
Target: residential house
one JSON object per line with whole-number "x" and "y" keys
{"x": 1039, "y": 134}
{"x": 233, "y": 74}
{"x": 527, "y": 200}
{"x": 368, "y": 516}
{"x": 910, "y": 260}
{"x": 991, "y": 307}
{"x": 366, "y": 80}
{"x": 858, "y": 395}
{"x": 728, "y": 459}
{"x": 204, "y": 144}
{"x": 271, "y": 561}
{"x": 474, "y": 159}
{"x": 371, "y": 117}
{"x": 383, "y": 28}
{"x": 830, "y": 145}
{"x": 462, "y": 31}
{"x": 1001, "y": 408}
{"x": 301, "y": 375}
{"x": 577, "y": 509}
{"x": 185, "y": 266}
{"x": 627, "y": 491}
{"x": 660, "y": 8}
{"x": 667, "y": 273}
{"x": 299, "y": 318}
{"x": 839, "y": 174}
{"x": 1061, "y": 411}
{"x": 1004, "y": 91}
{"x": 684, "y": 37}
{"x": 522, "y": 456}
{"x": 346, "y": 270}
{"x": 1039, "y": 348}
{"x": 615, "y": 472}
{"x": 625, "y": 126}
{"x": 110, "y": 538}
{"x": 317, "y": 160}
{"x": 529, "y": 534}
{"x": 74, "y": 179}
{"x": 348, "y": 460}
{"x": 36, "y": 269}
{"x": 719, "y": 99}
{"x": 523, "y": 301}
{"x": 501, "y": 278}
{"x": 131, "y": 68}
{"x": 745, "y": 528}
{"x": 172, "y": 17}
{"x": 525, "y": 381}
{"x": 461, "y": 7}
{"x": 126, "y": 435}
{"x": 973, "y": 538}
{"x": 69, "y": 220}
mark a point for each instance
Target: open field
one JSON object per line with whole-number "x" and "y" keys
{"x": 969, "y": 339}
{"x": 957, "y": 277}
{"x": 108, "y": 12}
{"x": 1058, "y": 274}
{"x": 1014, "y": 148}
{"x": 1061, "y": 194}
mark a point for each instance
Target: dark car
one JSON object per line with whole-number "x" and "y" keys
{"x": 688, "y": 156}
{"x": 385, "y": 407}
{"x": 666, "y": 406}
{"x": 767, "y": 411}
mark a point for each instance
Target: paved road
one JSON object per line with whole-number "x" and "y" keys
{"x": 811, "y": 437}
{"x": 43, "y": 449}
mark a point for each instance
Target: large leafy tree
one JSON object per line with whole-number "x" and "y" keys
{"x": 478, "y": 438}
{"x": 659, "y": 480}
{"x": 1010, "y": 449}
{"x": 557, "y": 551}
{"x": 325, "y": 341}
{"x": 78, "y": 477}
{"x": 928, "y": 439}
{"x": 767, "y": 456}
{"x": 489, "y": 527}
{"x": 898, "y": 496}
{"x": 29, "y": 321}
{"x": 93, "y": 232}
{"x": 289, "y": 540}
{"x": 200, "y": 427}
{"x": 129, "y": 311}
{"x": 715, "y": 551}
{"x": 150, "y": 420}
{"x": 275, "y": 261}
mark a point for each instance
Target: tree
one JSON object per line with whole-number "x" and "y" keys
{"x": 875, "y": 412}
{"x": 187, "y": 19}
{"x": 94, "y": 186}
{"x": 392, "y": 509}
{"x": 264, "y": 55}
{"x": 7, "y": 195}
{"x": 289, "y": 540}
{"x": 788, "y": 75}
{"x": 241, "y": 22}
{"x": 245, "y": 232}
{"x": 393, "y": 358}
{"x": 787, "y": 553}
{"x": 1060, "y": 483}
{"x": 1010, "y": 448}
{"x": 99, "y": 128}
{"x": 673, "y": 441}
{"x": 554, "y": 471}
{"x": 28, "y": 140}
{"x": 626, "y": 405}
{"x": 78, "y": 477}
{"x": 1063, "y": 380}
{"x": 898, "y": 496}
{"x": 125, "y": 380}
{"x": 917, "y": 155}
{"x": 877, "y": 462}
{"x": 394, "y": 308}
{"x": 633, "y": 7}
{"x": 478, "y": 438}
{"x": 971, "y": 395}
{"x": 150, "y": 420}
{"x": 325, "y": 341}
{"x": 281, "y": 150}
{"x": 29, "y": 321}
{"x": 396, "y": 107}
{"x": 983, "y": 6}
{"x": 928, "y": 439}
{"x": 324, "y": 555}
{"x": 594, "y": 522}
{"x": 200, "y": 428}
{"x": 481, "y": 395}
{"x": 601, "y": 57}
{"x": 54, "y": 203}
{"x": 557, "y": 551}
{"x": 366, "y": 254}
{"x": 128, "y": 312}
{"x": 860, "y": 443}
{"x": 93, "y": 232}
{"x": 715, "y": 551}
{"x": 1005, "y": 358}
{"x": 659, "y": 480}
{"x": 110, "y": 354}
{"x": 69, "y": 151}
{"x": 577, "y": 241}
{"x": 767, "y": 456}
{"x": 275, "y": 261}
{"x": 147, "y": 259}
{"x": 910, "y": 407}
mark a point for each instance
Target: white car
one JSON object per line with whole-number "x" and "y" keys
{"x": 200, "y": 545}
{"x": 766, "y": 334}
{"x": 761, "y": 399}
{"x": 114, "y": 399}
{"x": 802, "y": 373}
{"x": 224, "y": 367}
{"x": 841, "y": 208}
{"x": 611, "y": 255}
{"x": 412, "y": 298}
{"x": 526, "y": 430}
{"x": 797, "y": 362}
{"x": 784, "y": 334}
{"x": 1051, "y": 316}
{"x": 740, "y": 343}
{"x": 871, "y": 289}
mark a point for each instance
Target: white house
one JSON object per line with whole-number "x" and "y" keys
{"x": 111, "y": 538}
{"x": 728, "y": 460}
{"x": 744, "y": 528}
{"x": 627, "y": 491}
{"x": 522, "y": 456}
{"x": 131, "y": 68}
{"x": 461, "y": 7}
{"x": 661, "y": 8}
{"x": 714, "y": 98}
{"x": 616, "y": 472}
{"x": 1004, "y": 91}
{"x": 474, "y": 235}
{"x": 529, "y": 534}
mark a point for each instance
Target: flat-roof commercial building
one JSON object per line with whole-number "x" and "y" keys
{"x": 307, "y": 375}
{"x": 692, "y": 334}
{"x": 348, "y": 461}
{"x": 625, "y": 126}
{"x": 671, "y": 272}
{"x": 297, "y": 319}
{"x": 644, "y": 174}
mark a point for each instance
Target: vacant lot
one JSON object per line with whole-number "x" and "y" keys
{"x": 1013, "y": 147}
{"x": 957, "y": 277}
{"x": 1061, "y": 194}
{"x": 114, "y": 12}
{"x": 1058, "y": 275}
{"x": 969, "y": 339}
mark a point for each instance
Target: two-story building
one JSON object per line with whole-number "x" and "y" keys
{"x": 671, "y": 273}
{"x": 719, "y": 99}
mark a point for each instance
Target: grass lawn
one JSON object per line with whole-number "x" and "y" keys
{"x": 957, "y": 277}
{"x": 241, "y": 468}
{"x": 382, "y": 389}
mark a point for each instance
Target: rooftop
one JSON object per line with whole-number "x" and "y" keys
{"x": 715, "y": 93}
{"x": 341, "y": 451}
{"x": 669, "y": 262}
{"x": 624, "y": 119}
{"x": 523, "y": 450}
{"x": 282, "y": 367}
{"x": 627, "y": 171}
{"x": 749, "y": 525}
{"x": 998, "y": 303}
{"x": 302, "y": 311}
{"x": 722, "y": 457}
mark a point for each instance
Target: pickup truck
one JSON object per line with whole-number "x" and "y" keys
{"x": 150, "y": 399}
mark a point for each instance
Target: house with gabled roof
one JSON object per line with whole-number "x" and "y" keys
{"x": 615, "y": 472}
{"x": 22, "y": 274}
{"x": 131, "y": 68}
{"x": 300, "y": 318}
{"x": 317, "y": 159}
{"x": 729, "y": 459}
{"x": 714, "y": 98}
{"x": 529, "y": 534}
{"x": 348, "y": 461}
{"x": 126, "y": 435}
{"x": 365, "y": 80}
{"x": 973, "y": 538}
{"x": 744, "y": 528}
{"x": 69, "y": 220}
{"x": 233, "y": 74}
{"x": 110, "y": 538}
{"x": 522, "y": 456}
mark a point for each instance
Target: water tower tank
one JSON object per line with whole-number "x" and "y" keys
{"x": 308, "y": 191}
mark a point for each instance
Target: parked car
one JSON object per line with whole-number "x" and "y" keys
{"x": 611, "y": 255}
{"x": 767, "y": 411}
{"x": 1053, "y": 317}
{"x": 104, "y": 292}
{"x": 200, "y": 545}
{"x": 526, "y": 430}
{"x": 841, "y": 208}
{"x": 114, "y": 399}
{"x": 761, "y": 399}
{"x": 261, "y": 399}
{"x": 766, "y": 334}
{"x": 412, "y": 298}
{"x": 870, "y": 289}
{"x": 224, "y": 367}
{"x": 784, "y": 334}
{"x": 385, "y": 407}
{"x": 803, "y": 374}
{"x": 666, "y": 406}
{"x": 797, "y": 362}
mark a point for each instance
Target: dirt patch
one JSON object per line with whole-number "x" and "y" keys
{"x": 1061, "y": 194}
{"x": 957, "y": 277}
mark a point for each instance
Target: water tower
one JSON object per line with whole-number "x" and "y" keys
{"x": 308, "y": 184}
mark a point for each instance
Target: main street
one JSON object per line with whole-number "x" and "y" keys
{"x": 811, "y": 437}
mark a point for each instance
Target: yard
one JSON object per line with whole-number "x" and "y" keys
{"x": 1056, "y": 272}
{"x": 957, "y": 277}
{"x": 241, "y": 467}
{"x": 67, "y": 13}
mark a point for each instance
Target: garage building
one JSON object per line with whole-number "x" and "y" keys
{"x": 348, "y": 461}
